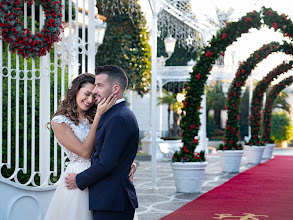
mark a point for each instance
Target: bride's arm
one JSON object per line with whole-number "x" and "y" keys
{"x": 68, "y": 139}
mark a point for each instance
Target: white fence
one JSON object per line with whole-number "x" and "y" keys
{"x": 30, "y": 90}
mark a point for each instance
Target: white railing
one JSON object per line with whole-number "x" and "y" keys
{"x": 30, "y": 91}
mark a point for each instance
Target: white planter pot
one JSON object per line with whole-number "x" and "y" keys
{"x": 268, "y": 151}
{"x": 188, "y": 176}
{"x": 253, "y": 153}
{"x": 230, "y": 160}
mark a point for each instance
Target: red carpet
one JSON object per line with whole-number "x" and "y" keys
{"x": 262, "y": 192}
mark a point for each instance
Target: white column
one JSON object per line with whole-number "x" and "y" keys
{"x": 153, "y": 93}
{"x": 250, "y": 98}
{"x": 91, "y": 37}
{"x": 161, "y": 107}
{"x": 44, "y": 146}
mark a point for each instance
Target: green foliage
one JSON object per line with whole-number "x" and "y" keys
{"x": 280, "y": 102}
{"x": 190, "y": 122}
{"x": 257, "y": 99}
{"x": 282, "y": 129}
{"x": 126, "y": 45}
{"x": 267, "y": 113}
{"x": 215, "y": 100}
{"x": 211, "y": 125}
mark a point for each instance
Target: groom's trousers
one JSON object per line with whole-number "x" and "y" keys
{"x": 128, "y": 214}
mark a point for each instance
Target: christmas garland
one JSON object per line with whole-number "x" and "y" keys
{"x": 190, "y": 122}
{"x": 20, "y": 39}
{"x": 267, "y": 113}
{"x": 257, "y": 99}
{"x": 233, "y": 100}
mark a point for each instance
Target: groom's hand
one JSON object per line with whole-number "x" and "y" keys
{"x": 70, "y": 181}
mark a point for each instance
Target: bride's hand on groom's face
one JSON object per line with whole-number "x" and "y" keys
{"x": 106, "y": 103}
{"x": 70, "y": 181}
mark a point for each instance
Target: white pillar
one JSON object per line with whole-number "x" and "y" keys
{"x": 44, "y": 145}
{"x": 153, "y": 94}
{"x": 250, "y": 98}
{"x": 161, "y": 107}
{"x": 91, "y": 37}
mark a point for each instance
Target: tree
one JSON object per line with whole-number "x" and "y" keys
{"x": 215, "y": 101}
{"x": 280, "y": 102}
{"x": 126, "y": 45}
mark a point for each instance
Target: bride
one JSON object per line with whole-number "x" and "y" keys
{"x": 76, "y": 121}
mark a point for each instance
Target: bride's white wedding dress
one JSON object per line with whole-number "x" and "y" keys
{"x": 72, "y": 204}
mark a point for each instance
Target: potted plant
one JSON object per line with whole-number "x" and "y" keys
{"x": 254, "y": 150}
{"x": 188, "y": 169}
{"x": 269, "y": 148}
{"x": 282, "y": 130}
{"x": 230, "y": 156}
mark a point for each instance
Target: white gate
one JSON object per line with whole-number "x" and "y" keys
{"x": 31, "y": 162}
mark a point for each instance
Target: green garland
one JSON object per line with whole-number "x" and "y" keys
{"x": 267, "y": 113}
{"x": 234, "y": 93}
{"x": 20, "y": 39}
{"x": 257, "y": 99}
{"x": 190, "y": 122}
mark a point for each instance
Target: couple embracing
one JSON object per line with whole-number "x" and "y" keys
{"x": 100, "y": 137}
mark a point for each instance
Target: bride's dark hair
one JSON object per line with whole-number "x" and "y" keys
{"x": 68, "y": 106}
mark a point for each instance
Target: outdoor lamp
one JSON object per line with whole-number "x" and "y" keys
{"x": 169, "y": 45}
{"x": 100, "y": 29}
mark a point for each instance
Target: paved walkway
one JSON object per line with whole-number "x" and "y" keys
{"x": 156, "y": 203}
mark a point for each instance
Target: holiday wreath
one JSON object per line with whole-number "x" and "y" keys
{"x": 24, "y": 41}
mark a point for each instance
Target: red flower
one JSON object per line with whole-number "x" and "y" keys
{"x": 208, "y": 53}
{"x": 198, "y": 108}
{"x": 242, "y": 71}
{"x": 231, "y": 142}
{"x": 248, "y": 19}
{"x": 224, "y": 36}
{"x": 228, "y": 127}
{"x": 185, "y": 150}
{"x": 195, "y": 141}
{"x": 237, "y": 117}
{"x": 198, "y": 76}
{"x": 184, "y": 103}
{"x": 284, "y": 16}
{"x": 191, "y": 127}
{"x": 275, "y": 25}
{"x": 287, "y": 35}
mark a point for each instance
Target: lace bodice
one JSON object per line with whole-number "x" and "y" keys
{"x": 81, "y": 131}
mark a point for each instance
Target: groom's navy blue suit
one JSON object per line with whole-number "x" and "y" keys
{"x": 110, "y": 190}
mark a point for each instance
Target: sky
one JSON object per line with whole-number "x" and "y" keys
{"x": 248, "y": 42}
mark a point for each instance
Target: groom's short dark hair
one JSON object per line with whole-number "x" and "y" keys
{"x": 115, "y": 75}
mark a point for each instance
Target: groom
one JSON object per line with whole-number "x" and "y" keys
{"x": 111, "y": 194}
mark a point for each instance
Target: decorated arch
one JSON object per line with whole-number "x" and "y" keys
{"x": 257, "y": 100}
{"x": 267, "y": 113}
{"x": 234, "y": 93}
{"x": 190, "y": 122}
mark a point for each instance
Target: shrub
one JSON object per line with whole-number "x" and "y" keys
{"x": 282, "y": 130}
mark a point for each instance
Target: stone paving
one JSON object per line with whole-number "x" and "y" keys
{"x": 156, "y": 203}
